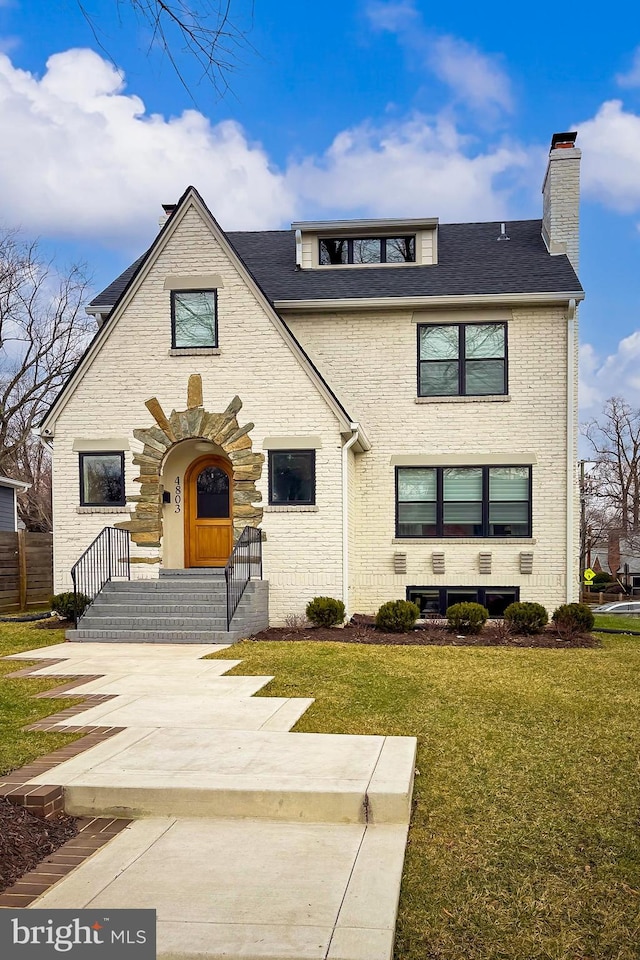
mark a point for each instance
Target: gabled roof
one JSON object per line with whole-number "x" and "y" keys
{"x": 137, "y": 272}
{"x": 471, "y": 262}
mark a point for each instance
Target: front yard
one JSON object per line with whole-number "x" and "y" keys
{"x": 525, "y": 839}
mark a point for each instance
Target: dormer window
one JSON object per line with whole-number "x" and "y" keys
{"x": 366, "y": 250}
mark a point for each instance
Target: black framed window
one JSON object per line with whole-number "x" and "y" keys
{"x": 462, "y": 359}
{"x": 463, "y": 501}
{"x": 102, "y": 479}
{"x": 194, "y": 318}
{"x": 434, "y": 601}
{"x": 292, "y": 477}
{"x": 360, "y": 250}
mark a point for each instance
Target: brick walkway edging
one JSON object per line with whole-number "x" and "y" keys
{"x": 47, "y": 800}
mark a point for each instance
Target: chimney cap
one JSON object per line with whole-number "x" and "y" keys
{"x": 169, "y": 208}
{"x": 564, "y": 139}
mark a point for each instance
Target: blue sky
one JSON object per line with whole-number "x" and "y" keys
{"x": 367, "y": 108}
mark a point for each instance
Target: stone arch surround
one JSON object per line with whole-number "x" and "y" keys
{"x": 194, "y": 423}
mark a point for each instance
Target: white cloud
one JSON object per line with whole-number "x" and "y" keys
{"x": 84, "y": 158}
{"x": 632, "y": 77}
{"x": 616, "y": 375}
{"x": 475, "y": 78}
{"x": 413, "y": 167}
{"x": 610, "y": 145}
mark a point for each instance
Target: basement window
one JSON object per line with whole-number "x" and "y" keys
{"x": 434, "y": 601}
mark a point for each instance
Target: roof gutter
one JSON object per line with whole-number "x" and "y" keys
{"x": 489, "y": 299}
{"x": 571, "y": 456}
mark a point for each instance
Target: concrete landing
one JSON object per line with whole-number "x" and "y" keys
{"x": 250, "y": 889}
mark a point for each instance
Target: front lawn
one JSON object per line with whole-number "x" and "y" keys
{"x": 616, "y": 621}
{"x": 17, "y": 704}
{"x": 524, "y": 841}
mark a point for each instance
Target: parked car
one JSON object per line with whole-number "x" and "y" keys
{"x": 628, "y": 607}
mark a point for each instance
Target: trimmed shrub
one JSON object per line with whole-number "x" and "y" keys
{"x": 63, "y": 604}
{"x": 467, "y": 617}
{"x": 325, "y": 611}
{"x": 601, "y": 580}
{"x": 397, "y": 616}
{"x": 525, "y": 617}
{"x": 574, "y": 618}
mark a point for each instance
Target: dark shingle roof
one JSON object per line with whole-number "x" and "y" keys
{"x": 471, "y": 261}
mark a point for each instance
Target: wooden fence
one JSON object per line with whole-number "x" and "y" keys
{"x": 26, "y": 570}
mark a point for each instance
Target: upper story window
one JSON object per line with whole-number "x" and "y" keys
{"x": 102, "y": 479}
{"x": 194, "y": 318}
{"x": 462, "y": 359}
{"x": 292, "y": 477}
{"x": 463, "y": 501}
{"x": 364, "y": 250}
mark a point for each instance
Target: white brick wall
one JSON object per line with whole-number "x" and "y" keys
{"x": 370, "y": 359}
{"x": 254, "y": 362}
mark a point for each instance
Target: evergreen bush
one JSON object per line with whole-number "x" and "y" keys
{"x": 574, "y": 618}
{"x": 467, "y": 617}
{"x": 325, "y": 611}
{"x": 63, "y": 604}
{"x": 525, "y": 617}
{"x": 397, "y": 616}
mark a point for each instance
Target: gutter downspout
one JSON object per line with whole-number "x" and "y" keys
{"x": 571, "y": 340}
{"x": 345, "y": 517}
{"x": 43, "y": 440}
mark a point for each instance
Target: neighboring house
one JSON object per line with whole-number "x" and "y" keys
{"x": 622, "y": 558}
{"x": 393, "y": 402}
{"x": 9, "y": 490}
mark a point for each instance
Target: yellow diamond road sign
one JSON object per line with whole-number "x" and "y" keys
{"x": 588, "y": 575}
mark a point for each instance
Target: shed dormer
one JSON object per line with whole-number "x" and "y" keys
{"x": 327, "y": 244}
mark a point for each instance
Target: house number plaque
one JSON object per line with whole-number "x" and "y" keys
{"x": 177, "y": 497}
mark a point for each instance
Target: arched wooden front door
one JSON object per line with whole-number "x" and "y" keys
{"x": 208, "y": 523}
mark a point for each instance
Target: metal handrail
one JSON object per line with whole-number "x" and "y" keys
{"x": 244, "y": 562}
{"x": 107, "y": 557}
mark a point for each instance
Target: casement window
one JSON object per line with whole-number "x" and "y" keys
{"x": 463, "y": 502}
{"x": 434, "y": 601}
{"x": 194, "y": 319}
{"x": 362, "y": 250}
{"x": 292, "y": 477}
{"x": 462, "y": 359}
{"x": 102, "y": 479}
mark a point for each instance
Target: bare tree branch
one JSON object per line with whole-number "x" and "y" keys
{"x": 205, "y": 32}
{"x": 43, "y": 332}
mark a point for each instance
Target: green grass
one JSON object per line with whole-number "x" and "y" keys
{"x": 17, "y": 704}
{"x": 613, "y": 621}
{"x": 524, "y": 841}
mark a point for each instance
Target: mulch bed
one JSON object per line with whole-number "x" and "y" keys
{"x": 26, "y": 840}
{"x": 54, "y": 624}
{"x": 361, "y": 629}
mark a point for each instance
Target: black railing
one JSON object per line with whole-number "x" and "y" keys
{"x": 106, "y": 558}
{"x": 244, "y": 563}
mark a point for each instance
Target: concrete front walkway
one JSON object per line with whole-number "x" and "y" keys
{"x": 248, "y": 840}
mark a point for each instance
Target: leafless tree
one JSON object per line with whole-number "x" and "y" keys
{"x": 614, "y": 438}
{"x": 205, "y": 31}
{"x": 43, "y": 331}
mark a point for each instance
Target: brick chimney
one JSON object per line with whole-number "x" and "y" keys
{"x": 561, "y": 198}
{"x": 613, "y": 553}
{"x": 168, "y": 210}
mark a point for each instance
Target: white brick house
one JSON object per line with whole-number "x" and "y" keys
{"x": 407, "y": 391}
